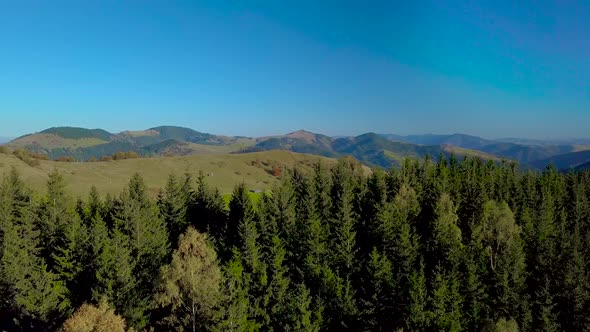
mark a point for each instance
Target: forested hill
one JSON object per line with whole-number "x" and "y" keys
{"x": 446, "y": 246}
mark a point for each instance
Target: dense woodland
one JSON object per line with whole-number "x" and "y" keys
{"x": 437, "y": 246}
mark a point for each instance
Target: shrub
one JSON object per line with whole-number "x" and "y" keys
{"x": 25, "y": 156}
{"x": 66, "y": 159}
{"x": 125, "y": 155}
{"x": 89, "y": 318}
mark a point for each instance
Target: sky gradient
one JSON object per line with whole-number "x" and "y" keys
{"x": 489, "y": 68}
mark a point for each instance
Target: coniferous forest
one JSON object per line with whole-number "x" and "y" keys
{"x": 432, "y": 246}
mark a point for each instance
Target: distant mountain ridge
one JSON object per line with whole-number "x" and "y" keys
{"x": 565, "y": 161}
{"x": 526, "y": 152}
{"x": 383, "y": 150}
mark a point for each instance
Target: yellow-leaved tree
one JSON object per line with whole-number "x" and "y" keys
{"x": 191, "y": 285}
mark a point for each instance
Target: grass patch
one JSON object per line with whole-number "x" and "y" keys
{"x": 254, "y": 197}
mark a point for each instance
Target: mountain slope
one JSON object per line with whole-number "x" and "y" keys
{"x": 222, "y": 170}
{"x": 525, "y": 154}
{"x": 82, "y": 144}
{"x": 583, "y": 166}
{"x": 300, "y": 141}
{"x": 372, "y": 149}
{"x": 564, "y": 161}
{"x": 460, "y": 140}
{"x": 522, "y": 150}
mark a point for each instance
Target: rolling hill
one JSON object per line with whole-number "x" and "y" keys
{"x": 83, "y": 144}
{"x": 300, "y": 141}
{"x": 383, "y": 150}
{"x": 223, "y": 170}
{"x": 371, "y": 149}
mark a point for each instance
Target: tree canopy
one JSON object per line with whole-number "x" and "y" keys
{"x": 448, "y": 245}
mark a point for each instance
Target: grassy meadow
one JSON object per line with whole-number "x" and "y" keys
{"x": 223, "y": 171}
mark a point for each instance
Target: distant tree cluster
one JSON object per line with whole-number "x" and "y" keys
{"x": 445, "y": 246}
{"x": 29, "y": 157}
{"x": 66, "y": 159}
{"x": 120, "y": 155}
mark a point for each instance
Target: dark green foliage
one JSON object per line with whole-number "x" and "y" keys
{"x": 77, "y": 133}
{"x": 446, "y": 246}
{"x": 174, "y": 202}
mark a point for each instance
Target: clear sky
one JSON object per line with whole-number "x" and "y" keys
{"x": 490, "y": 68}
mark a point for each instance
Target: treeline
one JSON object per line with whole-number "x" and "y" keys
{"x": 447, "y": 246}
{"x": 28, "y": 157}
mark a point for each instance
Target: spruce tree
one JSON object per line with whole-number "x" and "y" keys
{"x": 37, "y": 292}
{"x": 234, "y": 313}
{"x": 139, "y": 220}
{"x": 173, "y": 204}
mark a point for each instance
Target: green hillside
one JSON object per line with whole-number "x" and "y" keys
{"x": 78, "y": 133}
{"x": 222, "y": 170}
{"x": 374, "y": 149}
{"x": 83, "y": 144}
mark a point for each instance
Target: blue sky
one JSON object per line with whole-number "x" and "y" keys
{"x": 490, "y": 68}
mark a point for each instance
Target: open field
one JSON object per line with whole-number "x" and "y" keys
{"x": 223, "y": 171}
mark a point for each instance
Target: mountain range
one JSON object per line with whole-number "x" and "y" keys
{"x": 383, "y": 150}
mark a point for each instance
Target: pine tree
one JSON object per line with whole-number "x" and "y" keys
{"x": 373, "y": 200}
{"x": 173, "y": 204}
{"x": 234, "y": 314}
{"x": 380, "y": 300}
{"x": 322, "y": 182}
{"x": 240, "y": 209}
{"x": 343, "y": 221}
{"x": 72, "y": 261}
{"x": 140, "y": 222}
{"x": 38, "y": 293}
{"x": 207, "y": 212}
{"x": 446, "y": 307}
{"x": 14, "y": 200}
{"x": 55, "y": 215}
{"x": 542, "y": 273}
{"x": 417, "y": 316}
{"x": 302, "y": 314}
{"x": 276, "y": 302}
{"x": 114, "y": 267}
{"x": 400, "y": 245}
